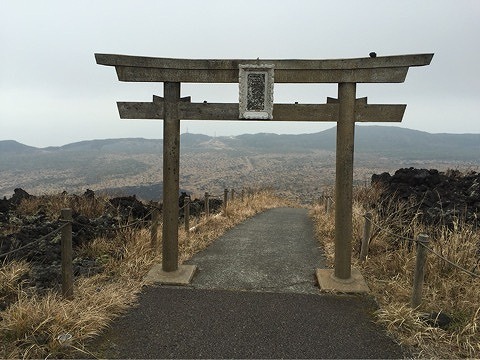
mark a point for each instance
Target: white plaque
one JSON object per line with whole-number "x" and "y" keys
{"x": 256, "y": 91}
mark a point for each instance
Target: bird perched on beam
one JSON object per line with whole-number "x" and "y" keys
{"x": 373, "y": 54}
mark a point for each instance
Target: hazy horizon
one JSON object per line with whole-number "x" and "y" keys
{"x": 52, "y": 91}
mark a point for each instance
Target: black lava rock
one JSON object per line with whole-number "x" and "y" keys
{"x": 441, "y": 198}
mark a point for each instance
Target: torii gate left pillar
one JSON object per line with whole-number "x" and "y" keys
{"x": 346, "y": 110}
{"x": 344, "y": 178}
{"x": 171, "y": 165}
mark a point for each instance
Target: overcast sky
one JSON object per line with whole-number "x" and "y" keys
{"x": 52, "y": 92}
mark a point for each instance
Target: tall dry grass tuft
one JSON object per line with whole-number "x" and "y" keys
{"x": 325, "y": 230}
{"x": 48, "y": 326}
{"x": 11, "y": 279}
{"x": 51, "y": 205}
{"x": 389, "y": 272}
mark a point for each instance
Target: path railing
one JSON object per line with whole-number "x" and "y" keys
{"x": 422, "y": 247}
{"x": 206, "y": 207}
{"x": 66, "y": 251}
{"x": 66, "y": 218}
{"x": 422, "y": 242}
{"x": 66, "y": 245}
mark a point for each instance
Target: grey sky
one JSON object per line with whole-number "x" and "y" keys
{"x": 53, "y": 93}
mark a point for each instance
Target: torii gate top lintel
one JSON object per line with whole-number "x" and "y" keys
{"x": 386, "y": 69}
{"x": 382, "y": 69}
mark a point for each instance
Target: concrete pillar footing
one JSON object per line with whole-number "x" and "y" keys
{"x": 182, "y": 276}
{"x": 328, "y": 282}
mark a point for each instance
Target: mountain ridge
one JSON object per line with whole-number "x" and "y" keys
{"x": 390, "y": 141}
{"x": 296, "y": 165}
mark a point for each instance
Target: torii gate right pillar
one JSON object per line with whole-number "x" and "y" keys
{"x": 343, "y": 278}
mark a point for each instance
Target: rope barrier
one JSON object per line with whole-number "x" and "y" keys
{"x": 215, "y": 196}
{"x": 35, "y": 241}
{"x": 427, "y": 248}
{"x": 450, "y": 262}
{"x": 150, "y": 206}
{"x": 391, "y": 233}
{"x": 153, "y": 207}
{"x": 142, "y": 220}
{"x": 121, "y": 227}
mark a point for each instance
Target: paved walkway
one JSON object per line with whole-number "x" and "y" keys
{"x": 254, "y": 297}
{"x": 275, "y": 251}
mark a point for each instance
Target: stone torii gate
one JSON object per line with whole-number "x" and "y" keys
{"x": 256, "y": 79}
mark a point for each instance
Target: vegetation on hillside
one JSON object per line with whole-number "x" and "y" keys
{"x": 212, "y": 163}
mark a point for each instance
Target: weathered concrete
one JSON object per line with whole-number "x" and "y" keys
{"x": 282, "y": 112}
{"x": 382, "y": 69}
{"x": 171, "y": 169}
{"x": 182, "y": 276}
{"x": 344, "y": 180}
{"x": 354, "y": 284}
{"x": 346, "y": 72}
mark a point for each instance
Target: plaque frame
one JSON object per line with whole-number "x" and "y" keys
{"x": 245, "y": 91}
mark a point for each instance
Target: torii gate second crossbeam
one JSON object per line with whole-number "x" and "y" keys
{"x": 345, "y": 111}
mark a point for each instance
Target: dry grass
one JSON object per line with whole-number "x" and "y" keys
{"x": 11, "y": 275}
{"x": 389, "y": 273}
{"x": 49, "y": 326}
{"x": 34, "y": 324}
{"x": 51, "y": 205}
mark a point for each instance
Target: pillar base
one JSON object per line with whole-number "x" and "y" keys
{"x": 182, "y": 276}
{"x": 328, "y": 282}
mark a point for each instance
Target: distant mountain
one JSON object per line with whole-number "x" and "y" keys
{"x": 125, "y": 145}
{"x": 386, "y": 141}
{"x": 400, "y": 143}
{"x": 298, "y": 164}
{"x": 194, "y": 140}
{"x": 12, "y": 146}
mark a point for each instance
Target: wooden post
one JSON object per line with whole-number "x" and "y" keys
{"x": 367, "y": 228}
{"x": 328, "y": 205}
{"x": 207, "y": 205}
{"x": 243, "y": 195}
{"x": 187, "y": 214}
{"x": 66, "y": 245}
{"x": 232, "y": 197}
{"x": 344, "y": 180}
{"x": 225, "y": 200}
{"x": 171, "y": 166}
{"x": 419, "y": 276}
{"x": 154, "y": 229}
